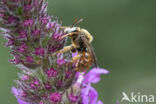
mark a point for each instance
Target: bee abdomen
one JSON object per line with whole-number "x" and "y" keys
{"x": 85, "y": 62}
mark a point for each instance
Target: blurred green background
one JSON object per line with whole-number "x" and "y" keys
{"x": 124, "y": 40}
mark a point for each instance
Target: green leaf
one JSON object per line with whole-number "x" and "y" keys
{"x": 19, "y": 11}
{"x": 44, "y": 41}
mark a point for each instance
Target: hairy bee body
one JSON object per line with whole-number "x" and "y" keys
{"x": 81, "y": 43}
{"x": 77, "y": 41}
{"x": 84, "y": 62}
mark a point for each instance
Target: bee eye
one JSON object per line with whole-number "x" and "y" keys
{"x": 75, "y": 31}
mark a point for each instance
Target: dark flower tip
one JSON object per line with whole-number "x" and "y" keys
{"x": 73, "y": 98}
{"x": 51, "y": 72}
{"x": 55, "y": 97}
{"x": 39, "y": 51}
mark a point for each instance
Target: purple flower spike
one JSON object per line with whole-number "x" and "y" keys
{"x": 10, "y": 42}
{"x": 40, "y": 102}
{"x": 56, "y": 36}
{"x": 34, "y": 84}
{"x": 44, "y": 20}
{"x": 52, "y": 72}
{"x": 39, "y": 51}
{"x": 68, "y": 74}
{"x": 15, "y": 92}
{"x": 28, "y": 22}
{"x": 73, "y": 98}
{"x": 22, "y": 48}
{"x": 35, "y": 32}
{"x": 23, "y": 34}
{"x": 34, "y": 38}
{"x": 28, "y": 7}
{"x": 117, "y": 102}
{"x": 29, "y": 59}
{"x": 50, "y": 25}
{"x": 89, "y": 94}
{"x": 15, "y": 61}
{"x": 25, "y": 77}
{"x": 11, "y": 20}
{"x": 61, "y": 61}
{"x": 55, "y": 97}
{"x": 47, "y": 86}
{"x": 100, "y": 102}
{"x": 93, "y": 95}
{"x": 1, "y": 15}
{"x": 15, "y": 0}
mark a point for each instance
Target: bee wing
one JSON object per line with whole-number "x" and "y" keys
{"x": 90, "y": 49}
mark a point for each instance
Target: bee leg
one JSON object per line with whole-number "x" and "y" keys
{"x": 69, "y": 34}
{"x": 65, "y": 49}
{"x": 74, "y": 59}
{"x": 64, "y": 27}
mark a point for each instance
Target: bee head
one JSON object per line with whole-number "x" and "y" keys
{"x": 72, "y": 29}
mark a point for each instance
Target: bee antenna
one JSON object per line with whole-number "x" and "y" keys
{"x": 76, "y": 22}
{"x": 79, "y": 21}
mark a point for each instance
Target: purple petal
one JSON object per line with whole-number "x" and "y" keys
{"x": 100, "y": 102}
{"x": 93, "y": 76}
{"x": 61, "y": 61}
{"x": 89, "y": 95}
{"x": 15, "y": 92}
{"x": 21, "y": 101}
{"x": 74, "y": 54}
{"x": 84, "y": 94}
{"x": 117, "y": 102}
{"x": 93, "y": 95}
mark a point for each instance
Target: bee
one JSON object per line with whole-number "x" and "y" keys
{"x": 81, "y": 43}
